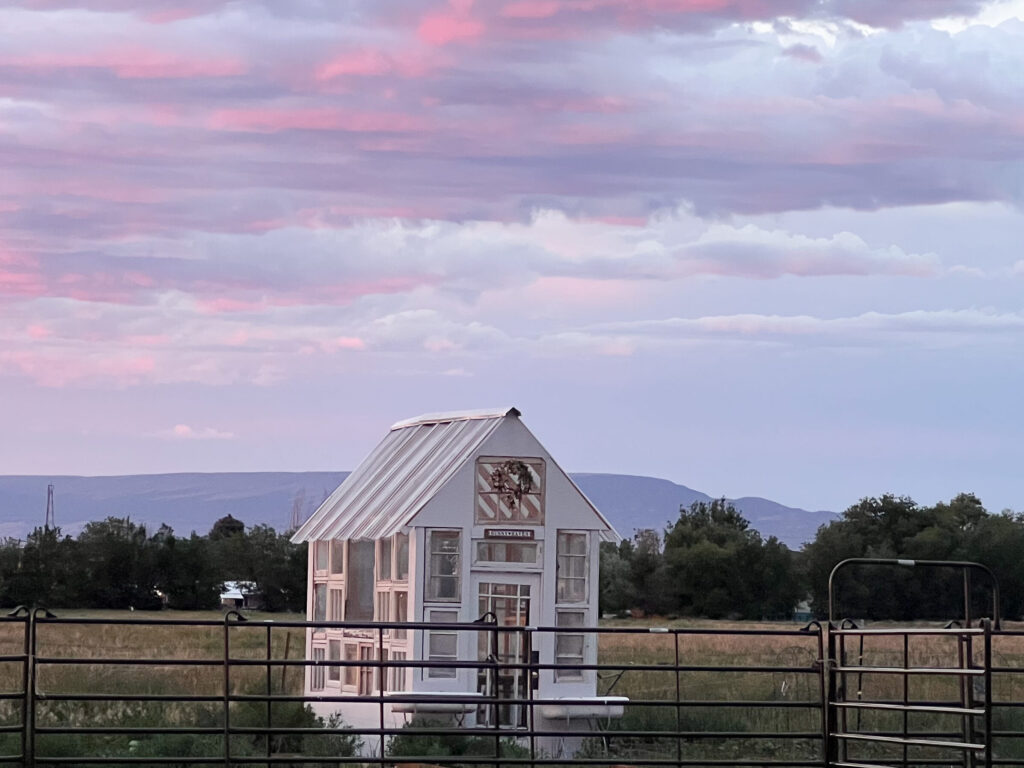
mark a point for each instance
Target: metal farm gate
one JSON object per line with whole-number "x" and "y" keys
{"x": 834, "y": 695}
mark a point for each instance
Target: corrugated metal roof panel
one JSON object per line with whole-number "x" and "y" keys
{"x": 404, "y": 471}
{"x": 435, "y": 418}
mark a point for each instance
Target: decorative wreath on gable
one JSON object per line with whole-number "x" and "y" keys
{"x": 511, "y": 480}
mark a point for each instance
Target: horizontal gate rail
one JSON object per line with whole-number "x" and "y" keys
{"x": 970, "y": 744}
{"x": 239, "y": 698}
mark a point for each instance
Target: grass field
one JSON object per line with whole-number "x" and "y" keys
{"x": 709, "y": 694}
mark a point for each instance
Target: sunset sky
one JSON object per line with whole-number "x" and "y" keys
{"x": 757, "y": 247}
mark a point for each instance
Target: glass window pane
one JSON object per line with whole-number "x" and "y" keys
{"x": 322, "y": 550}
{"x": 334, "y": 654}
{"x": 360, "y": 582}
{"x": 402, "y": 556}
{"x": 319, "y": 602}
{"x": 351, "y": 673}
{"x": 384, "y": 565}
{"x": 316, "y": 682}
{"x": 443, "y": 581}
{"x": 401, "y": 612}
{"x": 337, "y": 556}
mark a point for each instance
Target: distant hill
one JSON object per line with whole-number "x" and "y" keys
{"x": 631, "y": 502}
{"x": 193, "y": 501}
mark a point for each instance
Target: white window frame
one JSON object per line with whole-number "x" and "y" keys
{"x": 385, "y": 574}
{"x": 334, "y": 672}
{"x": 430, "y": 596}
{"x": 337, "y": 557}
{"x": 316, "y": 674}
{"x": 365, "y": 672}
{"x": 400, "y": 539}
{"x": 398, "y": 674}
{"x": 440, "y": 616}
{"x": 570, "y": 675}
{"x": 537, "y": 466}
{"x": 350, "y": 676}
{"x": 561, "y": 577}
{"x": 505, "y": 565}
{"x": 317, "y": 586}
{"x": 322, "y": 546}
{"x": 335, "y": 606}
{"x": 400, "y": 634}
{"x": 382, "y": 609}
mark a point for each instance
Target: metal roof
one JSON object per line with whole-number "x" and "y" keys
{"x": 404, "y": 471}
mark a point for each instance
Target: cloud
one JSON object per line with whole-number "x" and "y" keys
{"x": 185, "y": 432}
{"x": 243, "y": 273}
{"x": 915, "y": 328}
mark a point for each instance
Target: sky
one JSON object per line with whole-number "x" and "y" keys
{"x": 757, "y": 247}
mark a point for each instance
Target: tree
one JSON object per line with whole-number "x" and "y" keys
{"x": 648, "y": 574}
{"x": 720, "y": 567}
{"x": 226, "y": 527}
{"x": 42, "y": 572}
{"x": 116, "y": 560}
{"x": 616, "y": 592}
{"x": 892, "y": 526}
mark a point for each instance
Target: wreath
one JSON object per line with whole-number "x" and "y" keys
{"x": 511, "y": 480}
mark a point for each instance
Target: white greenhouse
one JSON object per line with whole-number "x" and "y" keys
{"x": 455, "y": 517}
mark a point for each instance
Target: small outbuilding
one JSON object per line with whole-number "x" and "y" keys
{"x": 456, "y": 517}
{"x": 241, "y": 595}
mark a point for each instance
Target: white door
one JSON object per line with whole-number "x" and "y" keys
{"x": 505, "y": 600}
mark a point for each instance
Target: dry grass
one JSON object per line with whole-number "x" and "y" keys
{"x": 160, "y": 641}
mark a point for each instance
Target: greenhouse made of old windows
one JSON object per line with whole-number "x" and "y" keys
{"x": 454, "y": 518}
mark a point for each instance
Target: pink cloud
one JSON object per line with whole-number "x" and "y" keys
{"x": 133, "y": 63}
{"x": 315, "y": 119}
{"x": 583, "y": 291}
{"x": 60, "y": 370}
{"x": 185, "y": 432}
{"x": 361, "y": 62}
{"x": 452, "y": 25}
{"x": 347, "y": 342}
{"x": 372, "y": 62}
{"x": 20, "y": 275}
{"x": 531, "y": 9}
{"x": 170, "y": 15}
{"x": 38, "y": 331}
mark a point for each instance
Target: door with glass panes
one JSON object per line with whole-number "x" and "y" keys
{"x": 505, "y": 601}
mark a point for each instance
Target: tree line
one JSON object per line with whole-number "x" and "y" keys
{"x": 119, "y": 564}
{"x": 710, "y": 563}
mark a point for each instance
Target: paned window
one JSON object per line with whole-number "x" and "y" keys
{"x": 569, "y": 647}
{"x": 337, "y": 604}
{"x": 334, "y": 649}
{"x": 401, "y": 612}
{"x": 319, "y": 602}
{"x": 509, "y": 491}
{"x": 522, "y": 552}
{"x": 444, "y": 569}
{"x": 384, "y": 562}
{"x": 359, "y": 582}
{"x": 384, "y": 609}
{"x": 365, "y": 672}
{"x": 338, "y": 556}
{"x": 316, "y": 678}
{"x": 572, "y": 568}
{"x": 442, "y": 644}
{"x": 351, "y": 672}
{"x": 323, "y": 550}
{"x": 402, "y": 556}
{"x": 398, "y": 673}
{"x": 382, "y": 672}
